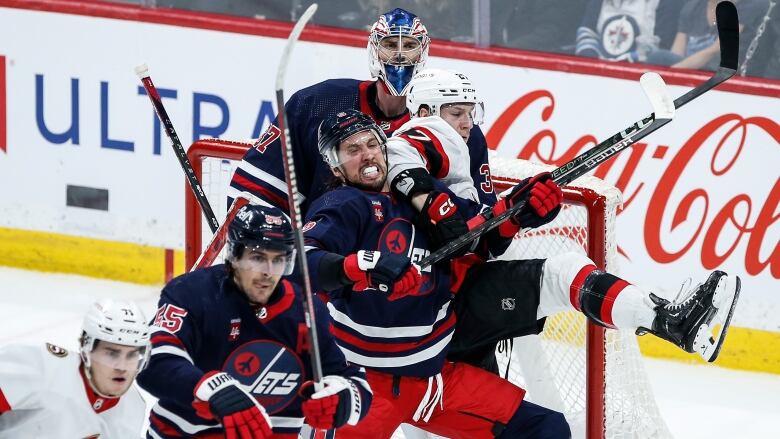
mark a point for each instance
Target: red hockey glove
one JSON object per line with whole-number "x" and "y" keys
{"x": 542, "y": 197}
{"x": 240, "y": 414}
{"x": 387, "y": 272}
{"x": 338, "y": 403}
{"x": 441, "y": 220}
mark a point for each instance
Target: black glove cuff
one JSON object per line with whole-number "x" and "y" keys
{"x": 410, "y": 182}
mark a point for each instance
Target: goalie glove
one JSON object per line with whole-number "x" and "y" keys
{"x": 242, "y": 417}
{"x": 542, "y": 197}
{"x": 387, "y": 272}
{"x": 336, "y": 404}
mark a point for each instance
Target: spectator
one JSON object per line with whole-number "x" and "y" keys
{"x": 696, "y": 44}
{"x": 536, "y": 24}
{"x": 627, "y": 30}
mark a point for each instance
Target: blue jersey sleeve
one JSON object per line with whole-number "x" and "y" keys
{"x": 171, "y": 373}
{"x": 334, "y": 225}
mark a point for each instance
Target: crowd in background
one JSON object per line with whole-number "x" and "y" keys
{"x": 676, "y": 33}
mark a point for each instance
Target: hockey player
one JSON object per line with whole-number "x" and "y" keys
{"x": 53, "y": 393}
{"x": 397, "y": 49}
{"x": 362, "y": 243}
{"x": 230, "y": 347}
{"x": 557, "y": 283}
{"x": 409, "y": 337}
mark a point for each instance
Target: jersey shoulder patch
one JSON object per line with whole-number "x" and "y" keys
{"x": 56, "y": 350}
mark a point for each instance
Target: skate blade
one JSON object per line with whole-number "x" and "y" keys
{"x": 706, "y": 342}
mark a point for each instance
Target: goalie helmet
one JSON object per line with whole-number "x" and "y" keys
{"x": 436, "y": 87}
{"x": 261, "y": 228}
{"x": 114, "y": 321}
{"x": 397, "y": 49}
{"x": 334, "y": 129}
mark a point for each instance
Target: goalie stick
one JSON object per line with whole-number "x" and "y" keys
{"x": 292, "y": 189}
{"x": 143, "y": 73}
{"x": 728, "y": 33}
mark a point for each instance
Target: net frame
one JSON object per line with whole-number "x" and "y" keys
{"x": 608, "y": 409}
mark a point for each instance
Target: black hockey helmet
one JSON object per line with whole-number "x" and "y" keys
{"x": 334, "y": 129}
{"x": 261, "y": 227}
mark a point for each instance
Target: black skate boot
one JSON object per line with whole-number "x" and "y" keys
{"x": 689, "y": 322}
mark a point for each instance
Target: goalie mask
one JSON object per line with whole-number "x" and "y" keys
{"x": 115, "y": 337}
{"x": 435, "y": 88}
{"x": 397, "y": 49}
{"x": 260, "y": 228}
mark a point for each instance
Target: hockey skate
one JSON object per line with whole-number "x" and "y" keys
{"x": 689, "y": 322}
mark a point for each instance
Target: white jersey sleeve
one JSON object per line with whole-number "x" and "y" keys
{"x": 431, "y": 143}
{"x": 43, "y": 394}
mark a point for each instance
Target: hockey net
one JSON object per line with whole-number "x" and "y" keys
{"x": 596, "y": 377}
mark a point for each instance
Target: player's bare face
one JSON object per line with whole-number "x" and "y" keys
{"x": 114, "y": 366}
{"x": 362, "y": 161}
{"x": 399, "y": 50}
{"x": 258, "y": 271}
{"x": 459, "y": 117}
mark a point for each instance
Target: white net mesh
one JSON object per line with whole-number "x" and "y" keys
{"x": 552, "y": 366}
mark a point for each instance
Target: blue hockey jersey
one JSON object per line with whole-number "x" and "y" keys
{"x": 205, "y": 323}
{"x": 261, "y": 172}
{"x": 408, "y": 336}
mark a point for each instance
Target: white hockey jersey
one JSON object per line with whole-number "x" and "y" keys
{"x": 43, "y": 394}
{"x": 431, "y": 143}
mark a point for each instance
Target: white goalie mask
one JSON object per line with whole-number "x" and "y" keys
{"x": 119, "y": 322}
{"x": 397, "y": 49}
{"x": 435, "y": 88}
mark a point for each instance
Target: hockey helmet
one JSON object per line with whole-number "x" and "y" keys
{"x": 436, "y": 87}
{"x": 259, "y": 227}
{"x": 114, "y": 321}
{"x": 334, "y": 129}
{"x": 397, "y": 49}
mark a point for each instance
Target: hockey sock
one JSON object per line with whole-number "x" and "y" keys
{"x": 614, "y": 303}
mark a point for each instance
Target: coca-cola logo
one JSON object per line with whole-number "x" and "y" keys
{"x": 718, "y": 229}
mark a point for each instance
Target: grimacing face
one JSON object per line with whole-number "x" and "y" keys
{"x": 258, "y": 271}
{"x": 362, "y": 161}
{"x": 113, "y": 367}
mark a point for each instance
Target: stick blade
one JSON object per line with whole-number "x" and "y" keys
{"x": 728, "y": 33}
{"x": 658, "y": 95}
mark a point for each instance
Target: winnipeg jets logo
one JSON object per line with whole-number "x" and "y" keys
{"x": 271, "y": 372}
{"x": 619, "y": 35}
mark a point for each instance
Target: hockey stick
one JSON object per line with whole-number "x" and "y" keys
{"x": 220, "y": 236}
{"x": 292, "y": 189}
{"x": 728, "y": 32}
{"x": 143, "y": 73}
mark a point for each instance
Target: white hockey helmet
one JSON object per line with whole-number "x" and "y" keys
{"x": 436, "y": 87}
{"x": 397, "y": 49}
{"x": 114, "y": 321}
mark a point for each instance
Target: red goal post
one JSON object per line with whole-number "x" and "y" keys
{"x": 595, "y": 377}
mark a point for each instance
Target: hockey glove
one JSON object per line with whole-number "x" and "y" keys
{"x": 441, "y": 220}
{"x": 387, "y": 272}
{"x": 240, "y": 414}
{"x": 542, "y": 198}
{"x": 336, "y": 404}
{"x": 411, "y": 182}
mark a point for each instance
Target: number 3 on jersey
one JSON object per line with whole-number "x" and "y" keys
{"x": 170, "y": 317}
{"x": 487, "y": 185}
